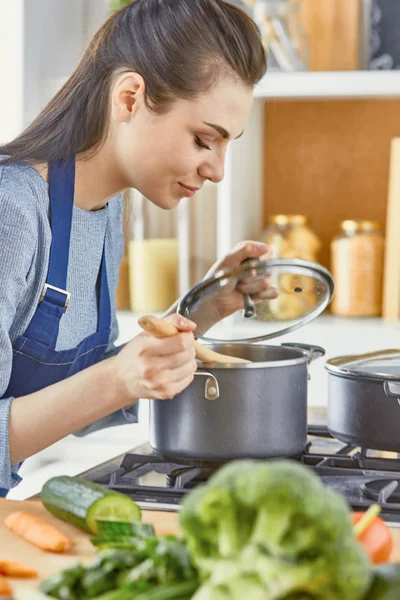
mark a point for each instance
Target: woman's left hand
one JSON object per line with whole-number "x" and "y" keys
{"x": 258, "y": 288}
{"x": 230, "y": 298}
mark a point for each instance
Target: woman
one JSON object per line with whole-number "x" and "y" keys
{"x": 162, "y": 89}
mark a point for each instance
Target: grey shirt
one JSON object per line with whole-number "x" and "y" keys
{"x": 25, "y": 239}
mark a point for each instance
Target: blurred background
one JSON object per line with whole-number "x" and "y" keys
{"x": 316, "y": 175}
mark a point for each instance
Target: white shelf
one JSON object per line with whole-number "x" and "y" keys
{"x": 330, "y": 84}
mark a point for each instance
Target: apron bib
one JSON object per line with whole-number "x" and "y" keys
{"x": 36, "y": 363}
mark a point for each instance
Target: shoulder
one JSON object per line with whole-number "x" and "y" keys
{"x": 23, "y": 193}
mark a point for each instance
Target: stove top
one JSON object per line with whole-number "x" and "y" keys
{"x": 362, "y": 476}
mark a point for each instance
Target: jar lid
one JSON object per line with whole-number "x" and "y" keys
{"x": 304, "y": 291}
{"x": 374, "y": 365}
{"x": 359, "y": 225}
{"x": 288, "y": 219}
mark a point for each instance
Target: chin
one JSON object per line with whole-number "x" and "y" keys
{"x": 165, "y": 201}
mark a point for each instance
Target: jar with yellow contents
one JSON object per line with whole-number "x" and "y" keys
{"x": 289, "y": 236}
{"x": 357, "y": 259}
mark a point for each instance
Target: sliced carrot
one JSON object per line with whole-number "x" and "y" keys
{"x": 377, "y": 539}
{"x": 12, "y": 568}
{"x": 38, "y": 532}
{"x": 5, "y": 590}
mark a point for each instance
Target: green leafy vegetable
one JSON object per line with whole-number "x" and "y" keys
{"x": 386, "y": 583}
{"x": 149, "y": 565}
{"x": 275, "y": 529}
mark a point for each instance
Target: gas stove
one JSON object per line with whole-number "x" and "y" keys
{"x": 362, "y": 476}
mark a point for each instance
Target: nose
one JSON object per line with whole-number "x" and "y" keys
{"x": 213, "y": 170}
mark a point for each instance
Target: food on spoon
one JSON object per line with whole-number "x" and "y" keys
{"x": 82, "y": 503}
{"x": 12, "y": 568}
{"x": 38, "y": 532}
{"x": 272, "y": 530}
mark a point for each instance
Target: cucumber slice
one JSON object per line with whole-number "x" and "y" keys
{"x": 80, "y": 503}
{"x": 113, "y": 507}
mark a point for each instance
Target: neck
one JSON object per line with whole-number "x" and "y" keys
{"x": 97, "y": 179}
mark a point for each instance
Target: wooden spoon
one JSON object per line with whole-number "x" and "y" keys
{"x": 159, "y": 328}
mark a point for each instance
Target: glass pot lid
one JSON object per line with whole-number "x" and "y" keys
{"x": 374, "y": 365}
{"x": 223, "y": 311}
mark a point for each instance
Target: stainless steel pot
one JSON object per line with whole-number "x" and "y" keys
{"x": 364, "y": 399}
{"x": 261, "y": 411}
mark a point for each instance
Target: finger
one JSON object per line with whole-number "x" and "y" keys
{"x": 173, "y": 389}
{"x": 182, "y": 372}
{"x": 175, "y": 361}
{"x": 270, "y": 294}
{"x": 167, "y": 346}
{"x": 181, "y": 323}
{"x": 243, "y": 251}
{"x": 253, "y": 287}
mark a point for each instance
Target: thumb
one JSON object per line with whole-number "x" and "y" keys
{"x": 181, "y": 323}
{"x": 243, "y": 251}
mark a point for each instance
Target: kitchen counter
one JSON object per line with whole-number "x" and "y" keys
{"x": 14, "y": 548}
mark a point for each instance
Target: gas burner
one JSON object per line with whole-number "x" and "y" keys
{"x": 188, "y": 478}
{"x": 383, "y": 491}
{"x": 360, "y": 475}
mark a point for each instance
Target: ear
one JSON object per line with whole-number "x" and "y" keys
{"x": 126, "y": 95}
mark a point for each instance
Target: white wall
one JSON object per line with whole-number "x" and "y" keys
{"x": 41, "y": 43}
{"x": 11, "y": 68}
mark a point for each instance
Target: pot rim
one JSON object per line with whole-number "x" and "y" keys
{"x": 286, "y": 362}
{"x": 303, "y": 353}
{"x": 340, "y": 365}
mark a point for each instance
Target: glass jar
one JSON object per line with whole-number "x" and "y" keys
{"x": 357, "y": 259}
{"x": 289, "y": 236}
{"x": 153, "y": 258}
{"x": 283, "y": 35}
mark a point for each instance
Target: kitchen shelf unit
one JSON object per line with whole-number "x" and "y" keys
{"x": 241, "y": 198}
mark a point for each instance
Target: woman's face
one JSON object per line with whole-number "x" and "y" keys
{"x": 168, "y": 157}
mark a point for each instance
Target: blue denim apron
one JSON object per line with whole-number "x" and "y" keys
{"x": 36, "y": 363}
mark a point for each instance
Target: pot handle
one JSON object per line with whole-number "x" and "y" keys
{"x": 211, "y": 388}
{"x": 392, "y": 389}
{"x": 313, "y": 352}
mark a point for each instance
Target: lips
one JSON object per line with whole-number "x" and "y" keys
{"x": 188, "y": 187}
{"x": 188, "y": 191}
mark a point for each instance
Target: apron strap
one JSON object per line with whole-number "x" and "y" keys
{"x": 44, "y": 326}
{"x": 104, "y": 302}
{"x": 61, "y": 191}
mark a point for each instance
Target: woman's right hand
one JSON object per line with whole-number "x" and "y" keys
{"x": 157, "y": 369}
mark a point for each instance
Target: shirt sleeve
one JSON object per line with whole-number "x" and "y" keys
{"x": 18, "y": 242}
{"x": 124, "y": 416}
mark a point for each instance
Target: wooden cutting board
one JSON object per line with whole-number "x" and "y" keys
{"x": 14, "y": 548}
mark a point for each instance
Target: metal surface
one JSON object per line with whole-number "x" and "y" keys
{"x": 201, "y": 303}
{"x": 211, "y": 388}
{"x": 158, "y": 484}
{"x": 249, "y": 306}
{"x": 261, "y": 411}
{"x": 364, "y": 411}
{"x": 372, "y": 365}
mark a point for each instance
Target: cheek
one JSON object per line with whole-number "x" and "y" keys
{"x": 182, "y": 159}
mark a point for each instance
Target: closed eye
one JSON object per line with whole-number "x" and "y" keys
{"x": 200, "y": 143}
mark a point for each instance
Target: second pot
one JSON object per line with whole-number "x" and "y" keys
{"x": 261, "y": 411}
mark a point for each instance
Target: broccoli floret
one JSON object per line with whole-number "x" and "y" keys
{"x": 274, "y": 524}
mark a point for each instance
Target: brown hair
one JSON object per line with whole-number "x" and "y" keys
{"x": 179, "y": 47}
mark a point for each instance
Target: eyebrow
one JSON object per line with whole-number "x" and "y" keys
{"x": 223, "y": 132}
